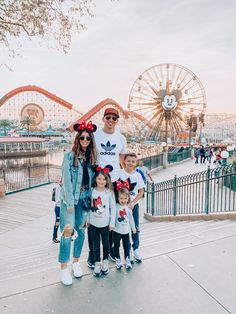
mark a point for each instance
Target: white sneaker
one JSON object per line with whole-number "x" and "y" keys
{"x": 97, "y": 269}
{"x": 105, "y": 267}
{"x": 65, "y": 276}
{"x": 137, "y": 256}
{"x": 118, "y": 263}
{"x": 128, "y": 263}
{"x": 77, "y": 270}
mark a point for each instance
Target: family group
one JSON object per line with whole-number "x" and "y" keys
{"x": 100, "y": 190}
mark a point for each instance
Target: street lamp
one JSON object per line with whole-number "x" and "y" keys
{"x": 230, "y": 149}
{"x": 164, "y": 144}
{"x": 224, "y": 155}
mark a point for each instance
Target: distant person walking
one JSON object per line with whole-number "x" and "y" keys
{"x": 77, "y": 177}
{"x": 145, "y": 171}
{"x": 202, "y": 154}
{"x": 196, "y": 155}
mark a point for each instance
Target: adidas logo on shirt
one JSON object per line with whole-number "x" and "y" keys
{"x": 108, "y": 149}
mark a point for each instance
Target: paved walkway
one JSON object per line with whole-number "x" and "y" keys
{"x": 188, "y": 267}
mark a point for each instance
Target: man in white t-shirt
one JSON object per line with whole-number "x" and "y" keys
{"x": 111, "y": 149}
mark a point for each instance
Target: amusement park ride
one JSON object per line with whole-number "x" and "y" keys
{"x": 171, "y": 99}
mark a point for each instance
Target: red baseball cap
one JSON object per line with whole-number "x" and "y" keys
{"x": 111, "y": 111}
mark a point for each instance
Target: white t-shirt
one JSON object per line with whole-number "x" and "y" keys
{"x": 109, "y": 147}
{"x": 136, "y": 181}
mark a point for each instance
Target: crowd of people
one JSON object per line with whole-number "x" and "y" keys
{"x": 100, "y": 190}
{"x": 203, "y": 155}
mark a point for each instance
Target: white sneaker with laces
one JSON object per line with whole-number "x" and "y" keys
{"x": 137, "y": 256}
{"x": 97, "y": 269}
{"x": 105, "y": 267}
{"x": 118, "y": 263}
{"x": 128, "y": 263}
{"x": 65, "y": 276}
{"x": 77, "y": 270}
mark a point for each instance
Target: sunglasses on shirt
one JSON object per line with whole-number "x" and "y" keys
{"x": 111, "y": 118}
{"x": 87, "y": 138}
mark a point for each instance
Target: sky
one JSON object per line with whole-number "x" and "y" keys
{"x": 125, "y": 38}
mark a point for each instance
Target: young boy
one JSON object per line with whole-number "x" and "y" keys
{"x": 136, "y": 192}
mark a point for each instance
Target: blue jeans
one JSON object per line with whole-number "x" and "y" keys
{"x": 76, "y": 220}
{"x": 135, "y": 236}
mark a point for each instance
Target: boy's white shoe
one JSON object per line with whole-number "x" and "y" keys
{"x": 105, "y": 267}
{"x": 97, "y": 269}
{"x": 77, "y": 270}
{"x": 65, "y": 276}
{"x": 137, "y": 256}
{"x": 118, "y": 263}
{"x": 128, "y": 263}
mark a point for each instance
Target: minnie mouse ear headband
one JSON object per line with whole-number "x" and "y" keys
{"x": 105, "y": 170}
{"x": 83, "y": 126}
{"x": 122, "y": 184}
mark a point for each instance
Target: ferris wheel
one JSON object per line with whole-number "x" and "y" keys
{"x": 168, "y": 96}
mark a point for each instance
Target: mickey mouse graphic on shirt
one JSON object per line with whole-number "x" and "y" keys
{"x": 97, "y": 206}
{"x": 123, "y": 216}
{"x": 131, "y": 187}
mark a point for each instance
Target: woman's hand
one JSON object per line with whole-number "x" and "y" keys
{"x": 87, "y": 224}
{"x": 70, "y": 210}
{"x": 134, "y": 231}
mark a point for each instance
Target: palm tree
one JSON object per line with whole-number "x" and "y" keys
{"x": 27, "y": 121}
{"x": 5, "y": 124}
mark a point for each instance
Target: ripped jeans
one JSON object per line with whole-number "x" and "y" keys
{"x": 76, "y": 220}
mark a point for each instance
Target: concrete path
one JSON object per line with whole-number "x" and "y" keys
{"x": 188, "y": 267}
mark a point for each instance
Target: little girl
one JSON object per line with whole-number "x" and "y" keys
{"x": 101, "y": 217}
{"x": 123, "y": 223}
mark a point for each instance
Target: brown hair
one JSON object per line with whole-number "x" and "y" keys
{"x": 107, "y": 178}
{"x": 130, "y": 155}
{"x": 123, "y": 191}
{"x": 90, "y": 153}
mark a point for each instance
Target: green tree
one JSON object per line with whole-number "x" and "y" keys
{"x": 51, "y": 19}
{"x": 26, "y": 122}
{"x": 5, "y": 124}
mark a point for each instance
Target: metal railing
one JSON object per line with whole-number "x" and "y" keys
{"x": 176, "y": 157}
{"x": 153, "y": 161}
{"x": 18, "y": 179}
{"x": 210, "y": 191}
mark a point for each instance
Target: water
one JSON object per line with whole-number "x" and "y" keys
{"x": 54, "y": 157}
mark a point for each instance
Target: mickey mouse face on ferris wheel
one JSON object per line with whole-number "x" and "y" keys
{"x": 169, "y": 102}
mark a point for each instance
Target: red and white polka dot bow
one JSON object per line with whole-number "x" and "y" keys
{"x": 122, "y": 184}
{"x": 86, "y": 126}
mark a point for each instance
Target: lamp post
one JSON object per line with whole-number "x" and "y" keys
{"x": 230, "y": 149}
{"x": 165, "y": 155}
{"x": 224, "y": 155}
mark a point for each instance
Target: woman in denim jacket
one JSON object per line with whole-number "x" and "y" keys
{"x": 77, "y": 176}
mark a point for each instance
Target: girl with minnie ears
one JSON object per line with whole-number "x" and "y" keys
{"x": 101, "y": 217}
{"x": 77, "y": 177}
{"x": 124, "y": 223}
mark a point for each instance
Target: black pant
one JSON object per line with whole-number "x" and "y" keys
{"x": 97, "y": 234}
{"x": 126, "y": 244}
{"x": 57, "y": 222}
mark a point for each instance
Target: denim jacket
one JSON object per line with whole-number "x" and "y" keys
{"x": 72, "y": 179}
